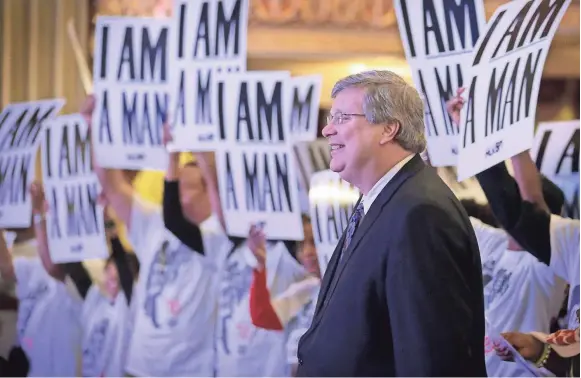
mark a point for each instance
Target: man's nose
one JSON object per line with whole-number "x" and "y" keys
{"x": 328, "y": 130}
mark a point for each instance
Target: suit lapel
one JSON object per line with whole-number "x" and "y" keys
{"x": 331, "y": 280}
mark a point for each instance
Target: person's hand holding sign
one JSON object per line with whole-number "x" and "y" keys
{"x": 39, "y": 204}
{"x": 454, "y": 106}
{"x": 257, "y": 244}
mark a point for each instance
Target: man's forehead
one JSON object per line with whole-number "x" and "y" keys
{"x": 348, "y": 100}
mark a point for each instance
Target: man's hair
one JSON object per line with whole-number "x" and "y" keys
{"x": 389, "y": 99}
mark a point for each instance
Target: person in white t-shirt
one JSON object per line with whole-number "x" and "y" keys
{"x": 241, "y": 348}
{"x": 293, "y": 309}
{"x": 48, "y": 327}
{"x": 176, "y": 292}
{"x": 548, "y": 237}
{"x": 520, "y": 292}
{"x": 105, "y": 311}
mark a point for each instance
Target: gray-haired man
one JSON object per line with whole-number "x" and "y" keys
{"x": 402, "y": 294}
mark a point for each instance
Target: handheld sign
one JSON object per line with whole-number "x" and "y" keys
{"x": 310, "y": 157}
{"x": 332, "y": 201}
{"x": 254, "y": 159}
{"x": 75, "y": 226}
{"x": 21, "y": 126}
{"x": 304, "y": 114}
{"x": 556, "y": 153}
{"x": 130, "y": 83}
{"x": 438, "y": 38}
{"x": 498, "y": 119}
{"x": 210, "y": 39}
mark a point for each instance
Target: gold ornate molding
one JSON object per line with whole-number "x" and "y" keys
{"x": 332, "y": 29}
{"x": 365, "y": 14}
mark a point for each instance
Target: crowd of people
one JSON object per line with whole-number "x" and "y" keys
{"x": 188, "y": 300}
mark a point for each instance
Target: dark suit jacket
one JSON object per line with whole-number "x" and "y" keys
{"x": 407, "y": 300}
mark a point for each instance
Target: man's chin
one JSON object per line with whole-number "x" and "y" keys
{"x": 335, "y": 166}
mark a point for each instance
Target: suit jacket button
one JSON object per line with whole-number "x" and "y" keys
{"x": 300, "y": 361}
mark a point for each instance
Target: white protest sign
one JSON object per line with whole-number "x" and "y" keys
{"x": 556, "y": 153}
{"x": 304, "y": 122}
{"x": 21, "y": 126}
{"x": 498, "y": 118}
{"x": 256, "y": 168}
{"x": 210, "y": 39}
{"x": 75, "y": 225}
{"x": 556, "y": 148}
{"x": 332, "y": 201}
{"x": 310, "y": 157}
{"x": 438, "y": 37}
{"x": 130, "y": 72}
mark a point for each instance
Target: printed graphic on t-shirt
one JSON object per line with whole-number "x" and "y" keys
{"x": 162, "y": 275}
{"x": 27, "y": 305}
{"x": 488, "y": 271}
{"x": 235, "y": 287}
{"x": 499, "y": 285}
{"x": 94, "y": 347}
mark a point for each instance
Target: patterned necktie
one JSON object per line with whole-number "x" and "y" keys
{"x": 353, "y": 223}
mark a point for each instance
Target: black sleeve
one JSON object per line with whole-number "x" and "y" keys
{"x": 174, "y": 220}
{"x": 526, "y": 222}
{"x": 79, "y": 275}
{"x": 119, "y": 256}
{"x": 502, "y": 193}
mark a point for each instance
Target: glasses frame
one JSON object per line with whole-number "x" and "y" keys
{"x": 340, "y": 118}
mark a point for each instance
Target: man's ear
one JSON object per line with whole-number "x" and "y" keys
{"x": 389, "y": 132}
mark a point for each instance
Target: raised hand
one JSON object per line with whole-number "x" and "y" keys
{"x": 87, "y": 108}
{"x": 454, "y": 105}
{"x": 167, "y": 136}
{"x": 39, "y": 204}
{"x": 257, "y": 244}
{"x": 527, "y": 345}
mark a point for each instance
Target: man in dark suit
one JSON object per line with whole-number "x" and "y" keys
{"x": 402, "y": 294}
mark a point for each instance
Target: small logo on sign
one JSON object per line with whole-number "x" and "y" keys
{"x": 135, "y": 156}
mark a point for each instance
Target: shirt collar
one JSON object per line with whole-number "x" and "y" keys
{"x": 370, "y": 197}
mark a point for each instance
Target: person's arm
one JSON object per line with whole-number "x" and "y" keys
{"x": 116, "y": 188}
{"x": 528, "y": 179}
{"x": 542, "y": 355}
{"x": 261, "y": 311}
{"x": 125, "y": 275}
{"x": 39, "y": 207}
{"x": 173, "y": 216}
{"x": 80, "y": 277}
{"x": 6, "y": 265}
{"x": 428, "y": 299}
{"x": 207, "y": 163}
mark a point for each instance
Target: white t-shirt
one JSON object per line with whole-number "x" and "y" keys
{"x": 520, "y": 293}
{"x": 243, "y": 349}
{"x": 48, "y": 325}
{"x": 565, "y": 260}
{"x": 105, "y": 334}
{"x": 300, "y": 323}
{"x": 175, "y": 299}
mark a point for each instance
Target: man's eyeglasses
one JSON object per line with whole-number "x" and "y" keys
{"x": 340, "y": 118}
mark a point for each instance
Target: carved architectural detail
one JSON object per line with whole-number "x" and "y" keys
{"x": 142, "y": 8}
{"x": 374, "y": 14}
